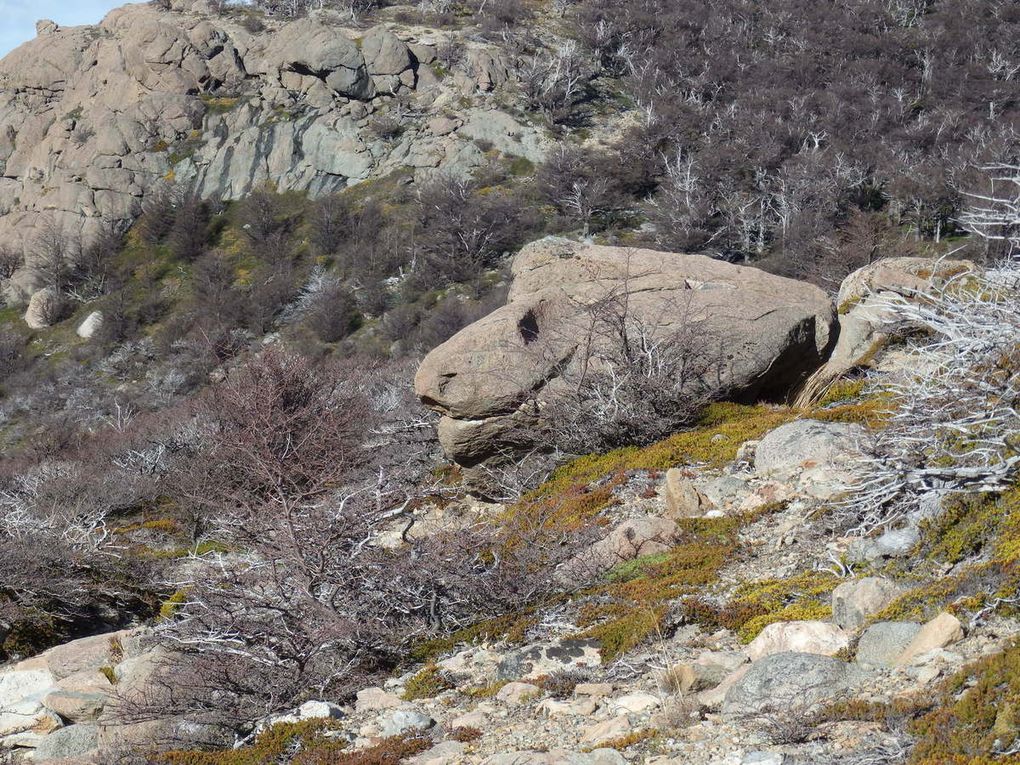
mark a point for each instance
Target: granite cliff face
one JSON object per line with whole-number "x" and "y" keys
{"x": 92, "y": 118}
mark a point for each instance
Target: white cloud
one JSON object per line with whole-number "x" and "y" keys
{"x": 19, "y": 17}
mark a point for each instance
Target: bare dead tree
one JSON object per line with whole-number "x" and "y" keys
{"x": 634, "y": 378}
{"x": 54, "y": 250}
{"x": 553, "y": 80}
{"x": 996, "y": 216}
{"x": 955, "y": 409}
{"x": 303, "y": 467}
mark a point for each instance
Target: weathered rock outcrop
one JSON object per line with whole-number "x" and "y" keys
{"x": 767, "y": 333}
{"x": 62, "y": 705}
{"x": 91, "y": 118}
{"x": 865, "y": 315}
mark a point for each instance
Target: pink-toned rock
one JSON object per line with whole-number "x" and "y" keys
{"x": 799, "y": 637}
{"x": 374, "y": 699}
{"x": 594, "y": 690}
{"x": 775, "y": 331}
{"x": 89, "y": 653}
{"x": 683, "y": 498}
{"x": 607, "y": 730}
{"x": 76, "y": 706}
{"x": 945, "y": 629}
{"x": 518, "y": 693}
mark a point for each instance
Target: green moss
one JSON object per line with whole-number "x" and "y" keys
{"x": 843, "y": 391}
{"x": 721, "y": 430}
{"x": 510, "y": 628}
{"x": 793, "y": 613}
{"x": 275, "y": 744}
{"x": 521, "y": 167}
{"x": 168, "y": 609}
{"x": 755, "y": 605}
{"x": 486, "y": 691}
{"x": 163, "y": 525}
{"x": 429, "y": 682}
{"x": 848, "y": 305}
{"x": 629, "y": 609}
{"x": 631, "y": 739}
{"x": 974, "y": 716}
{"x": 872, "y": 412}
{"x": 974, "y": 526}
{"x": 625, "y": 629}
{"x": 219, "y": 105}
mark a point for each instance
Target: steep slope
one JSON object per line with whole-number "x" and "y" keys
{"x": 91, "y": 118}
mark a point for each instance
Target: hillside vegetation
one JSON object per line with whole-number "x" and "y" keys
{"x": 517, "y": 383}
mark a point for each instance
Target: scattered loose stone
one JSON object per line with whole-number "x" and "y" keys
{"x": 853, "y": 602}
{"x": 945, "y": 629}
{"x": 801, "y": 637}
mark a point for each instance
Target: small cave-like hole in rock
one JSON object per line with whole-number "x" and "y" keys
{"x": 527, "y": 325}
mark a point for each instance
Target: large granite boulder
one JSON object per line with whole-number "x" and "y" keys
{"x": 312, "y": 48}
{"x": 766, "y": 333}
{"x": 789, "y": 684}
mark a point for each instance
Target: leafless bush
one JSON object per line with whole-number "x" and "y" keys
{"x": 462, "y": 231}
{"x": 633, "y": 379}
{"x": 10, "y": 261}
{"x": 157, "y": 214}
{"x": 996, "y": 216}
{"x": 64, "y": 570}
{"x": 12, "y": 346}
{"x": 262, "y": 213}
{"x": 505, "y": 13}
{"x": 554, "y": 80}
{"x": 333, "y": 314}
{"x": 954, "y": 412}
{"x": 331, "y": 220}
{"x": 302, "y": 467}
{"x": 188, "y": 235}
{"x": 581, "y": 187}
{"x": 290, "y": 9}
{"x": 54, "y": 248}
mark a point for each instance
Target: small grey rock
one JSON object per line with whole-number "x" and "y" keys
{"x": 854, "y": 601}
{"x": 882, "y": 643}
{"x": 66, "y": 743}
{"x": 406, "y": 720}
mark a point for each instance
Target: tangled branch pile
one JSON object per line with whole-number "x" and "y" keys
{"x": 954, "y": 424}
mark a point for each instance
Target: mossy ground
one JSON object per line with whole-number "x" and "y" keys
{"x": 426, "y": 684}
{"x": 755, "y": 605}
{"x": 977, "y": 537}
{"x": 302, "y": 743}
{"x": 976, "y": 715}
{"x": 630, "y": 608}
{"x": 632, "y": 604}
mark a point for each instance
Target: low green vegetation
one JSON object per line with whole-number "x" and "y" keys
{"x": 426, "y": 684}
{"x": 976, "y": 717}
{"x": 978, "y": 535}
{"x": 629, "y": 609}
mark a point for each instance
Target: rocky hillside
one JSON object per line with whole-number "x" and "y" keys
{"x": 731, "y": 594}
{"x": 93, "y": 118}
{"x": 511, "y": 383}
